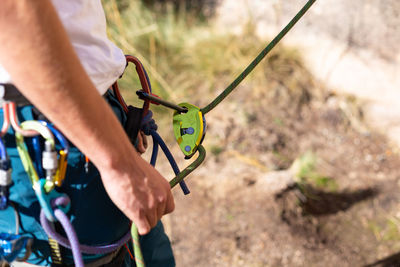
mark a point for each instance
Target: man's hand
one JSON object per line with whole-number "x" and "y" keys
{"x": 141, "y": 193}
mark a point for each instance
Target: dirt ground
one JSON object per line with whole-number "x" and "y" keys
{"x": 248, "y": 205}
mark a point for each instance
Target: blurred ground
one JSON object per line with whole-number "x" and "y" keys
{"x": 248, "y": 206}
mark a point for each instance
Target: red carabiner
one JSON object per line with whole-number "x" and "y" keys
{"x": 143, "y": 81}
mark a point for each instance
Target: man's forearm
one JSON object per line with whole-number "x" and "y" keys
{"x": 35, "y": 50}
{"x": 37, "y": 53}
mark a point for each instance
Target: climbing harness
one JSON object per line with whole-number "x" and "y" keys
{"x": 54, "y": 204}
{"x": 47, "y": 171}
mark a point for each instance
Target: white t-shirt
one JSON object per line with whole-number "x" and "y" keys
{"x": 85, "y": 23}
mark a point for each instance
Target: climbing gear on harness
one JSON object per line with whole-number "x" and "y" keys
{"x": 5, "y": 177}
{"x": 62, "y": 162}
{"x": 5, "y": 167}
{"x": 72, "y": 241}
{"x": 49, "y": 157}
{"x": 54, "y": 204}
{"x": 11, "y": 247}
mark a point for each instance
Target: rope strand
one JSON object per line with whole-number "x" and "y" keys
{"x": 257, "y": 60}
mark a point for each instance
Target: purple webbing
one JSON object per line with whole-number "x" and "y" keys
{"x": 72, "y": 242}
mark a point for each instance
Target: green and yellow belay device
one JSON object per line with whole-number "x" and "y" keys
{"x": 189, "y": 128}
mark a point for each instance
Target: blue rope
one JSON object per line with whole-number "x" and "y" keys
{"x": 154, "y": 153}
{"x": 166, "y": 151}
{"x": 3, "y": 153}
{"x": 149, "y": 127}
{"x": 171, "y": 160}
{"x": 38, "y": 155}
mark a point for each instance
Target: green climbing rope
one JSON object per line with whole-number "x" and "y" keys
{"x": 257, "y": 60}
{"x": 190, "y": 168}
{"x": 136, "y": 247}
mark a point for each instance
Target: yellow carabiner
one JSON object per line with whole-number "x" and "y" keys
{"x": 62, "y": 168}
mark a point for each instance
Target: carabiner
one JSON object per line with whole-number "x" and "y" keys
{"x": 63, "y": 158}
{"x": 144, "y": 82}
{"x": 49, "y": 155}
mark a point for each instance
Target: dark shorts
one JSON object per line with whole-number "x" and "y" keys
{"x": 96, "y": 219}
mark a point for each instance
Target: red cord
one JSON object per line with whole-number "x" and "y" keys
{"x": 15, "y": 124}
{"x": 6, "y": 123}
{"x": 130, "y": 254}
